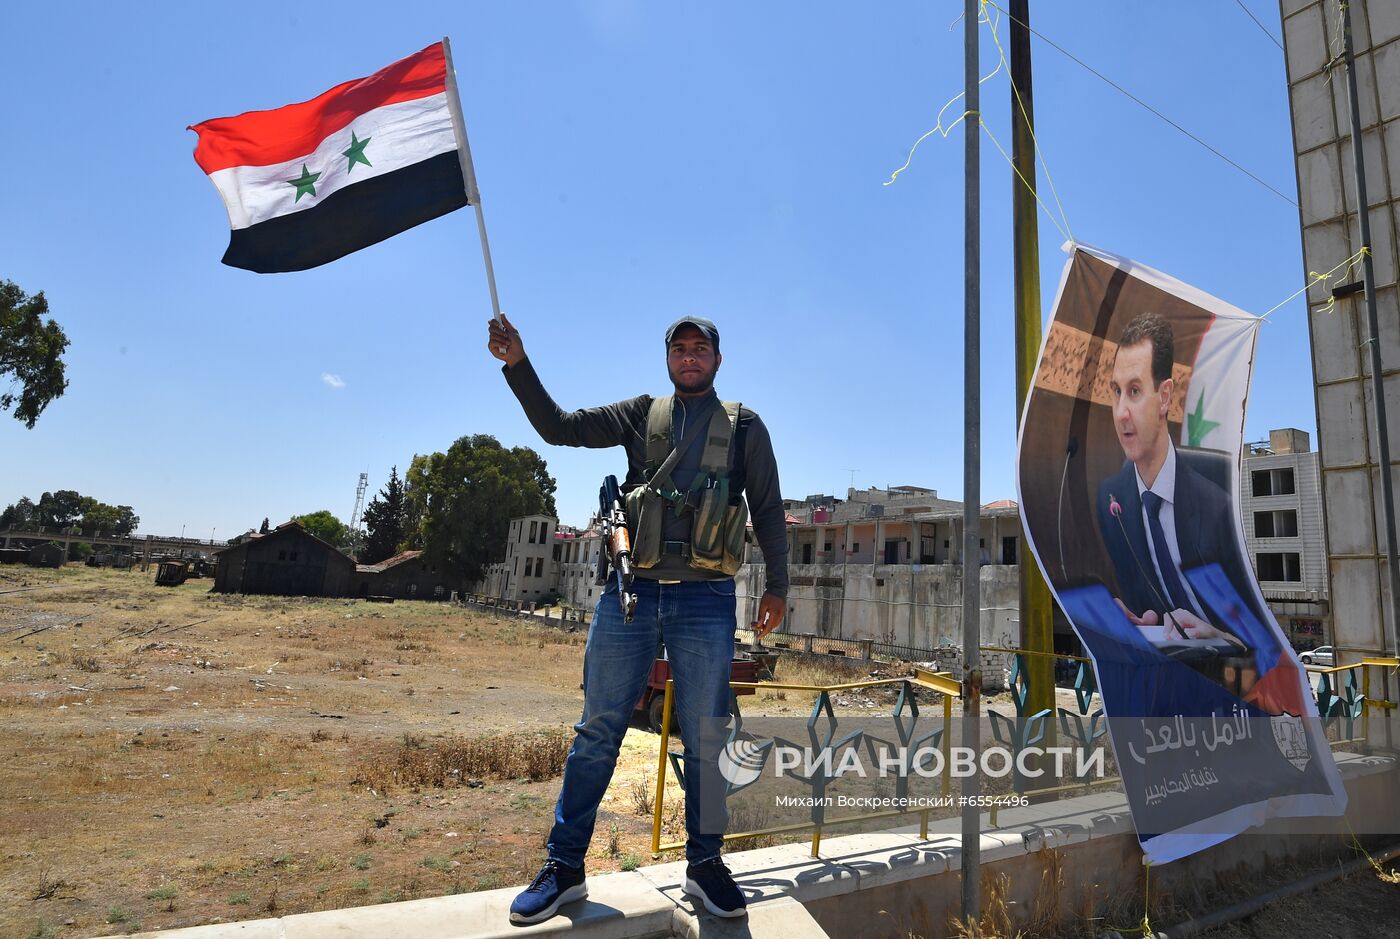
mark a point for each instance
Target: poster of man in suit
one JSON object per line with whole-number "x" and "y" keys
{"x": 1128, "y": 469}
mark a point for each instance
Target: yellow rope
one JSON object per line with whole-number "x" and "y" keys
{"x": 1144, "y": 927}
{"x": 1062, "y": 229}
{"x": 1381, "y": 872}
{"x": 938, "y": 127}
{"x": 1035, "y": 141}
{"x": 1316, "y": 278}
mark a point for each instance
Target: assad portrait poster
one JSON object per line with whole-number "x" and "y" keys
{"x": 1128, "y": 472}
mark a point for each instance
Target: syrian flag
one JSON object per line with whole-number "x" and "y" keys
{"x": 311, "y": 182}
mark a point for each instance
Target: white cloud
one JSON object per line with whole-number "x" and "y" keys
{"x": 335, "y": 381}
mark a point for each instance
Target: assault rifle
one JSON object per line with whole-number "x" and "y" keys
{"x": 617, "y": 545}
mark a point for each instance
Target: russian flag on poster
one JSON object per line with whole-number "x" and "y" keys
{"x": 311, "y": 182}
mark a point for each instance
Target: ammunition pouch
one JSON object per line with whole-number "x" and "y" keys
{"x": 719, "y": 530}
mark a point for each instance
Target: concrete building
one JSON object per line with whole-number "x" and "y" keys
{"x": 881, "y": 564}
{"x": 1349, "y": 463}
{"x": 287, "y": 561}
{"x": 1281, "y": 505}
{"x": 886, "y": 565}
{"x": 576, "y": 565}
{"x": 527, "y": 574}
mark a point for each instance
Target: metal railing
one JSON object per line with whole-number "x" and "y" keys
{"x": 1341, "y": 701}
{"x": 821, "y": 773}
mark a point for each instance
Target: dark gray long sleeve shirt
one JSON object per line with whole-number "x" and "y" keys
{"x": 624, "y": 424}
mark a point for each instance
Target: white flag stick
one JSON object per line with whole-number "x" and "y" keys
{"x": 464, "y": 156}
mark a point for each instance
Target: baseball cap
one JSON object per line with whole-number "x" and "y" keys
{"x": 705, "y": 326}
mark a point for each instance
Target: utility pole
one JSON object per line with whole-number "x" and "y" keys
{"x": 1037, "y": 627}
{"x": 972, "y": 467}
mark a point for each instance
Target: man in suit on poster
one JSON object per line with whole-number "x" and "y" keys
{"x": 1159, "y": 517}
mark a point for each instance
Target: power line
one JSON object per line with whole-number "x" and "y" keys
{"x": 1261, "y": 26}
{"x": 1132, "y": 97}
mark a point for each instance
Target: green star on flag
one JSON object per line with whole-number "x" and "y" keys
{"x": 1196, "y": 424}
{"x": 356, "y": 153}
{"x": 306, "y": 183}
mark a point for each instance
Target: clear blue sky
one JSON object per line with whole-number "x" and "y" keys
{"x": 638, "y": 161}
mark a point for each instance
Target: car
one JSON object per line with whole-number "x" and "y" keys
{"x": 1322, "y": 655}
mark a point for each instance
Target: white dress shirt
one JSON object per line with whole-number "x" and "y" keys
{"x": 1165, "y": 488}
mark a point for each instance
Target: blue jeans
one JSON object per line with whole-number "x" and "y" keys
{"x": 696, "y": 620}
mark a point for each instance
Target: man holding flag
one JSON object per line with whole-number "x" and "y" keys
{"x": 683, "y": 450}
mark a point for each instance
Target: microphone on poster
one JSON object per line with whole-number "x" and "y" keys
{"x": 1071, "y": 448}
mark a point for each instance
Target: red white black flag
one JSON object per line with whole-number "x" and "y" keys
{"x": 311, "y": 182}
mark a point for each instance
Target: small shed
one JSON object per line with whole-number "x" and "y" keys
{"x": 48, "y": 555}
{"x": 288, "y": 561}
{"x": 407, "y": 575}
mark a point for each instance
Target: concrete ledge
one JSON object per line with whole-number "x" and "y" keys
{"x": 248, "y": 929}
{"x": 906, "y": 884}
{"x": 786, "y": 870}
{"x": 779, "y": 918}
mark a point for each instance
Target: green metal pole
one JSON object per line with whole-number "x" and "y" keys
{"x": 1037, "y": 629}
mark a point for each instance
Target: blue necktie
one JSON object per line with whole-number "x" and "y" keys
{"x": 1176, "y": 591}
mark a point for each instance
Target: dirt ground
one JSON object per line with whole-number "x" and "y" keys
{"x": 1364, "y": 904}
{"x": 171, "y": 757}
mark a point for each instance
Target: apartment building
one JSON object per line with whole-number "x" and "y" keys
{"x": 1281, "y": 505}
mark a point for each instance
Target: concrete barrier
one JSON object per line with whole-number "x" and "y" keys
{"x": 881, "y": 884}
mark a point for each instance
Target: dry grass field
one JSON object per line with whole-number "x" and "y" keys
{"x": 171, "y": 757}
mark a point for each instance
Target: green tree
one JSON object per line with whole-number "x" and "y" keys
{"x": 462, "y": 501}
{"x": 384, "y": 521}
{"x": 62, "y": 509}
{"x": 323, "y": 525}
{"x": 68, "y": 508}
{"x": 264, "y": 529}
{"x": 21, "y": 514}
{"x": 30, "y": 353}
{"x": 127, "y": 520}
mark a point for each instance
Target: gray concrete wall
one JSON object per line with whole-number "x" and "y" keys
{"x": 1328, "y": 214}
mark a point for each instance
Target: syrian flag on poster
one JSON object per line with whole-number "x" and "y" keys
{"x": 1218, "y": 385}
{"x": 311, "y": 182}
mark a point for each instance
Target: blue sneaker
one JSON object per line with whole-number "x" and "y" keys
{"x": 711, "y": 883}
{"x": 555, "y": 885}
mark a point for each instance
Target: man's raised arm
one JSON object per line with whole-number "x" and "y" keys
{"x": 607, "y": 426}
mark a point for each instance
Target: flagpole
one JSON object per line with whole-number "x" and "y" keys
{"x": 464, "y": 156}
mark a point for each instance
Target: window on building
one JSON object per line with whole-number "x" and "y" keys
{"x": 1008, "y": 549}
{"x": 293, "y": 556}
{"x": 281, "y": 555}
{"x": 517, "y": 565}
{"x": 855, "y": 547}
{"x": 1272, "y": 482}
{"x": 1280, "y": 566}
{"x": 534, "y": 526}
{"x": 1282, "y": 523}
{"x": 558, "y": 552}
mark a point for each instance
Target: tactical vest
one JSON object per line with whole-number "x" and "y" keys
{"x": 718, "y": 529}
